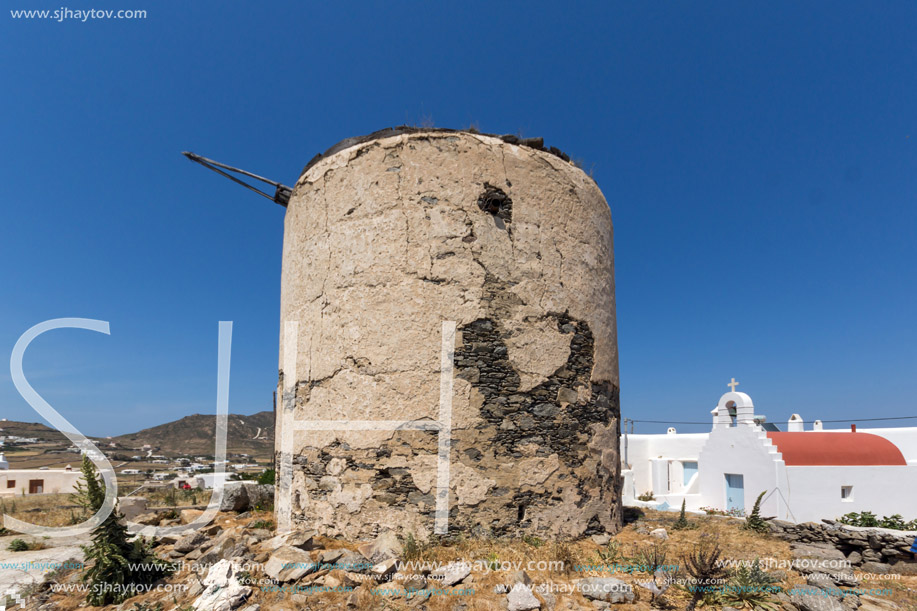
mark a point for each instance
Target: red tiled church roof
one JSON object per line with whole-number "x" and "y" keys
{"x": 835, "y": 449}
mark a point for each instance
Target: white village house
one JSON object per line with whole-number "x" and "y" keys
{"x": 19, "y": 482}
{"x": 806, "y": 475}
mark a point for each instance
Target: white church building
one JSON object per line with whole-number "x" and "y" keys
{"x": 805, "y": 474}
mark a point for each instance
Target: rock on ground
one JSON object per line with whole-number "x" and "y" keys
{"x": 384, "y": 547}
{"x": 289, "y": 564}
{"x": 222, "y": 592}
{"x": 520, "y": 598}
{"x": 189, "y": 542}
{"x": 451, "y": 574}
{"x": 814, "y": 599}
{"x": 606, "y": 589}
{"x": 243, "y": 496}
{"x": 660, "y": 533}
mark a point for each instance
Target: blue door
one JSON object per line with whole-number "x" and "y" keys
{"x": 735, "y": 491}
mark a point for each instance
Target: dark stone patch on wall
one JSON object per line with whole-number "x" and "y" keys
{"x": 551, "y": 414}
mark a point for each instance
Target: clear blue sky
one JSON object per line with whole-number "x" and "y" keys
{"x": 760, "y": 160}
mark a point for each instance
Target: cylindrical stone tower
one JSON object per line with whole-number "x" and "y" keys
{"x": 387, "y": 238}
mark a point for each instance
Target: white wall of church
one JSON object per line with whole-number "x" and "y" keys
{"x": 676, "y": 447}
{"x": 740, "y": 450}
{"x": 815, "y": 492}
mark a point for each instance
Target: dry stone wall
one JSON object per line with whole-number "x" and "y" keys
{"x": 879, "y": 550}
{"x": 386, "y": 239}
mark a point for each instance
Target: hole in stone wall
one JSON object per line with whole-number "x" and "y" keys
{"x": 520, "y": 513}
{"x": 495, "y": 201}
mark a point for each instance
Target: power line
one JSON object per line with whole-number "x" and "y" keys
{"x": 841, "y": 420}
{"x": 870, "y": 419}
{"x": 666, "y": 421}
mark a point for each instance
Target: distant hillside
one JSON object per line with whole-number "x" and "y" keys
{"x": 31, "y": 429}
{"x": 190, "y": 435}
{"x": 195, "y": 435}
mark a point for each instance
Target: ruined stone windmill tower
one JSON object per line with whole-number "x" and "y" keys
{"x": 448, "y": 351}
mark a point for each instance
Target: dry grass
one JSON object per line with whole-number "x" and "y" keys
{"x": 43, "y": 509}
{"x": 60, "y": 510}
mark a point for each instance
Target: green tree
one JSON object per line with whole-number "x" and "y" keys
{"x": 115, "y": 563}
{"x": 90, "y": 492}
{"x": 682, "y": 522}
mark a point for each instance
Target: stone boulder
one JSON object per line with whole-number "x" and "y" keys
{"x": 451, "y": 574}
{"x": 872, "y": 603}
{"x": 879, "y": 568}
{"x": 150, "y": 518}
{"x": 189, "y": 542}
{"x": 222, "y": 590}
{"x": 808, "y": 598}
{"x": 383, "y": 569}
{"x": 607, "y": 589}
{"x": 245, "y": 496}
{"x": 289, "y": 564}
{"x": 520, "y": 598}
{"x": 189, "y": 515}
{"x": 660, "y": 533}
{"x": 385, "y": 546}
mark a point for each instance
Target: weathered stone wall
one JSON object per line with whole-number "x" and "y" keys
{"x": 879, "y": 550}
{"x": 383, "y": 242}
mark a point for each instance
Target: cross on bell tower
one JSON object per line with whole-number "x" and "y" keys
{"x": 733, "y": 384}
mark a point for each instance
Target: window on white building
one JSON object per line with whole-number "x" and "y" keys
{"x": 846, "y": 493}
{"x": 689, "y": 469}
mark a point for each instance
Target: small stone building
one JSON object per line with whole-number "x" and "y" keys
{"x": 448, "y": 344}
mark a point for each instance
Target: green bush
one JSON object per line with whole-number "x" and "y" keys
{"x": 868, "y": 519}
{"x": 610, "y": 554}
{"x": 265, "y": 524}
{"x": 754, "y": 521}
{"x": 703, "y": 565}
{"x": 18, "y": 545}
{"x": 682, "y": 522}
{"x": 412, "y": 549}
{"x": 893, "y": 521}
{"x": 751, "y": 587}
{"x": 267, "y": 477}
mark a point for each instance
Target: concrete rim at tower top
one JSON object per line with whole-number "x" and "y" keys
{"x": 387, "y": 132}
